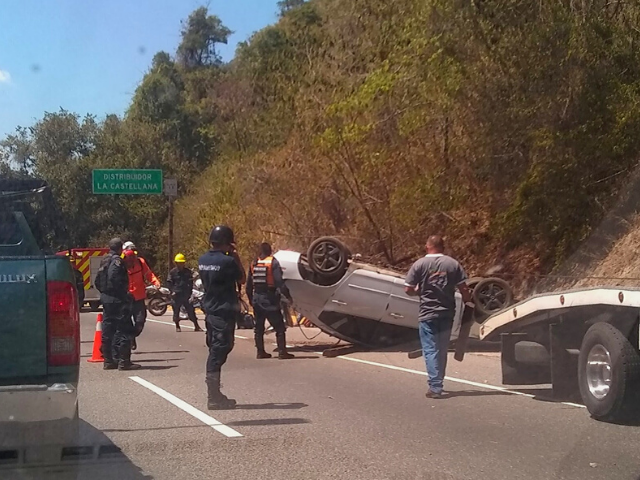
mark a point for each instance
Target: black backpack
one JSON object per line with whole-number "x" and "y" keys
{"x": 102, "y": 277}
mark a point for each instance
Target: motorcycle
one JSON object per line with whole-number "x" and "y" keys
{"x": 158, "y": 299}
{"x": 197, "y": 295}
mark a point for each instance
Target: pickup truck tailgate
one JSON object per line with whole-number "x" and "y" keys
{"x": 23, "y": 317}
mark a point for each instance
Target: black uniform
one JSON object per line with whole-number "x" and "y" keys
{"x": 264, "y": 286}
{"x": 117, "y": 329}
{"x": 180, "y": 283}
{"x": 220, "y": 274}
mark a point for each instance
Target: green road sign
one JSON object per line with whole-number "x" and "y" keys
{"x": 127, "y": 182}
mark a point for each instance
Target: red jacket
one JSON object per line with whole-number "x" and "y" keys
{"x": 139, "y": 276}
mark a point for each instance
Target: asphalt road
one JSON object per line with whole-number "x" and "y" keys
{"x": 358, "y": 416}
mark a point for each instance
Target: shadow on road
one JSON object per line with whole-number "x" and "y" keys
{"x": 157, "y": 367}
{"x": 268, "y": 421}
{"x": 92, "y": 456}
{"x": 149, "y": 360}
{"x": 304, "y": 357}
{"x": 153, "y": 429}
{"x": 161, "y": 351}
{"x": 271, "y": 406}
{"x": 547, "y": 395}
{"x": 413, "y": 348}
{"x": 473, "y": 393}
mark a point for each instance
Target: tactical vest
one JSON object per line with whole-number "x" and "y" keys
{"x": 262, "y": 271}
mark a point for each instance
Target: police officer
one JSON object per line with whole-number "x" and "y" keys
{"x": 117, "y": 329}
{"x": 221, "y": 271}
{"x": 180, "y": 283}
{"x": 264, "y": 287}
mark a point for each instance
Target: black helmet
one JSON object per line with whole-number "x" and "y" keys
{"x": 221, "y": 235}
{"x": 115, "y": 245}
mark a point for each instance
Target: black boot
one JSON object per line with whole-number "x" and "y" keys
{"x": 260, "y": 347}
{"x": 109, "y": 365}
{"x": 282, "y": 347}
{"x": 197, "y": 326}
{"x": 216, "y": 400}
{"x": 128, "y": 365}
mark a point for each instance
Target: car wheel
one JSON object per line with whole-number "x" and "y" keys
{"x": 608, "y": 373}
{"x": 157, "y": 307}
{"x": 492, "y": 295}
{"x": 328, "y": 257}
{"x": 94, "y": 306}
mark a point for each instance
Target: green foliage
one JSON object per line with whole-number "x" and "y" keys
{"x": 288, "y": 5}
{"x": 200, "y": 33}
{"x": 506, "y": 125}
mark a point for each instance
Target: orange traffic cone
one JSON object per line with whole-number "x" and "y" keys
{"x": 97, "y": 343}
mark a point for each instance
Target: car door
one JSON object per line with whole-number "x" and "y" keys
{"x": 402, "y": 309}
{"x": 364, "y": 294}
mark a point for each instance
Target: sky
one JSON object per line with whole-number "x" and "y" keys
{"x": 89, "y": 56}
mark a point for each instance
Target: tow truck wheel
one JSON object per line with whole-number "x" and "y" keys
{"x": 608, "y": 373}
{"x": 94, "y": 306}
{"x": 328, "y": 257}
{"x": 492, "y": 295}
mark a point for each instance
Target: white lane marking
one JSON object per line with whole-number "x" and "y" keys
{"x": 186, "y": 326}
{"x": 170, "y": 323}
{"x": 193, "y": 411}
{"x": 451, "y": 379}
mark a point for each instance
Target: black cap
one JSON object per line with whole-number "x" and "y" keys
{"x": 221, "y": 235}
{"x": 115, "y": 245}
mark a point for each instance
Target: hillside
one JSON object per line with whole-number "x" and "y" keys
{"x": 609, "y": 257}
{"x": 508, "y": 126}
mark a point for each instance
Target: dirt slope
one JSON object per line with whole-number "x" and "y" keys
{"x": 611, "y": 255}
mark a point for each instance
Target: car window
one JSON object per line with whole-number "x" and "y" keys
{"x": 10, "y": 233}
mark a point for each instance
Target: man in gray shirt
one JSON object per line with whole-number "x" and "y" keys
{"x": 435, "y": 278}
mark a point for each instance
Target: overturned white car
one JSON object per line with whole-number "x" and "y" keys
{"x": 365, "y": 304}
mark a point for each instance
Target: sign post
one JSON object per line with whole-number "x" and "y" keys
{"x": 127, "y": 182}
{"x": 171, "y": 191}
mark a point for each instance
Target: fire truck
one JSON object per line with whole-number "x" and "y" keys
{"x": 86, "y": 262}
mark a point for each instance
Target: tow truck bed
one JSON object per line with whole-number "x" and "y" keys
{"x": 584, "y": 342}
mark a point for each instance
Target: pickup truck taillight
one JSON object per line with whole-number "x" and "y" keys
{"x": 63, "y": 324}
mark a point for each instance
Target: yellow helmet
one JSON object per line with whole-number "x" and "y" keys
{"x": 180, "y": 258}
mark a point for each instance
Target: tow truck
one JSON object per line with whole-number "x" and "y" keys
{"x": 584, "y": 342}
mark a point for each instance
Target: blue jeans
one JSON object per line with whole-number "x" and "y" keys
{"x": 434, "y": 337}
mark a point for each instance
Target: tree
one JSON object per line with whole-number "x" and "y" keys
{"x": 287, "y": 5}
{"x": 200, "y": 33}
{"x": 17, "y": 149}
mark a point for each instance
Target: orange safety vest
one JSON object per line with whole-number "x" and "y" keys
{"x": 139, "y": 275}
{"x": 262, "y": 271}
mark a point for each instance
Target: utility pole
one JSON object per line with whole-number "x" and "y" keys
{"x": 170, "y": 247}
{"x": 171, "y": 191}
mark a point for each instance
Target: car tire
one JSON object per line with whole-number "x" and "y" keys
{"x": 609, "y": 392}
{"x": 157, "y": 307}
{"x": 94, "y": 306}
{"x": 492, "y": 295}
{"x": 328, "y": 257}
{"x": 471, "y": 284}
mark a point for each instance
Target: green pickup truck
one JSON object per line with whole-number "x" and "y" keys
{"x": 39, "y": 332}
